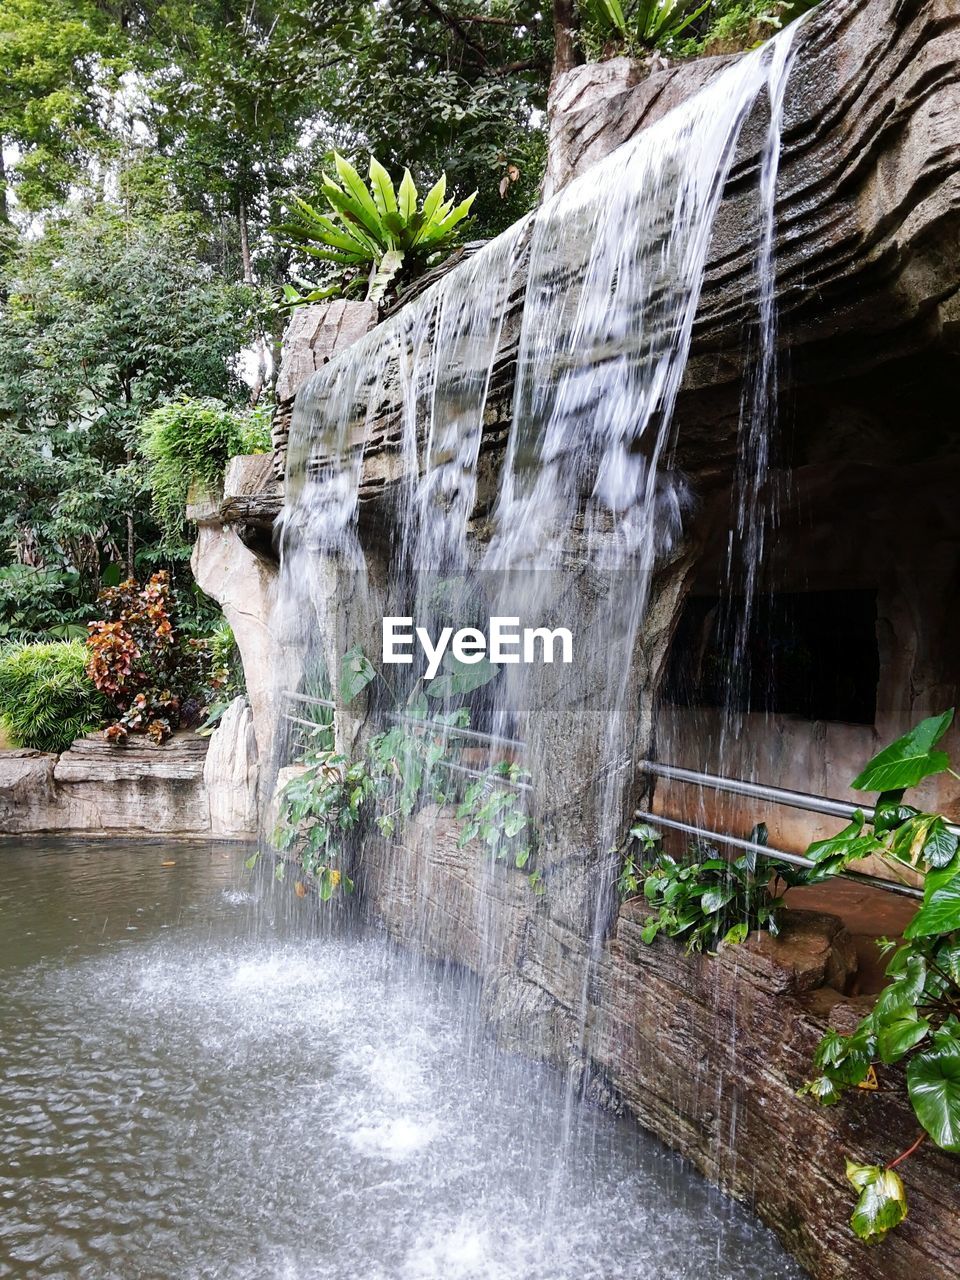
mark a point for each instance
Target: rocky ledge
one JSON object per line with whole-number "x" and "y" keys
{"x": 867, "y": 244}
{"x": 706, "y": 1052}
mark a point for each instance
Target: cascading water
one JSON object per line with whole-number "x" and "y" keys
{"x": 416, "y": 488}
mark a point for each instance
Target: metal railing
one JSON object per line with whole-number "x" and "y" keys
{"x": 760, "y": 791}
{"x": 809, "y": 803}
{"x": 776, "y": 795}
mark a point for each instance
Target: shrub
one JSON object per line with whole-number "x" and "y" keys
{"x": 46, "y": 697}
{"x": 190, "y": 442}
{"x": 156, "y": 681}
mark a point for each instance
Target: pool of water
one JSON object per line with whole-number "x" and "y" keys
{"x": 198, "y": 1080}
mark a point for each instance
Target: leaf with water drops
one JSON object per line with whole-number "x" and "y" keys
{"x": 882, "y": 1204}
{"x": 908, "y": 760}
{"x": 933, "y": 1082}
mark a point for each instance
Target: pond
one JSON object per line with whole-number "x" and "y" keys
{"x": 199, "y": 1080}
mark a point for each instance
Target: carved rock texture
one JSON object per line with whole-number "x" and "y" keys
{"x": 707, "y": 1052}
{"x": 313, "y": 336}
{"x": 137, "y": 788}
{"x": 243, "y": 583}
{"x": 868, "y": 223}
{"x": 231, "y": 774}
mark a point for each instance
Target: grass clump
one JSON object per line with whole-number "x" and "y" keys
{"x": 46, "y": 697}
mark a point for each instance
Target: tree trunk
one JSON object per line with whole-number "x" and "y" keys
{"x": 4, "y": 204}
{"x": 131, "y": 560}
{"x": 244, "y": 242}
{"x": 565, "y": 52}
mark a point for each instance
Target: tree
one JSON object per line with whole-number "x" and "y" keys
{"x": 55, "y": 55}
{"x": 108, "y": 315}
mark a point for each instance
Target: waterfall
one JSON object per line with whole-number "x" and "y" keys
{"x": 501, "y": 446}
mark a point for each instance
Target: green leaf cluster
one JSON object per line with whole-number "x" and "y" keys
{"x": 46, "y": 697}
{"x": 493, "y": 812}
{"x": 316, "y": 808}
{"x": 916, "y": 1018}
{"x": 376, "y": 230}
{"x": 189, "y": 442}
{"x": 703, "y": 901}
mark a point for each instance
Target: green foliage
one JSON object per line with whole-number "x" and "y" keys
{"x": 493, "y": 812}
{"x": 321, "y": 803}
{"x": 457, "y": 678}
{"x": 407, "y": 763}
{"x": 54, "y": 61}
{"x": 908, "y": 760}
{"x": 914, "y": 1019}
{"x": 706, "y": 901}
{"x": 190, "y": 442}
{"x": 46, "y": 697}
{"x": 37, "y": 602}
{"x": 226, "y": 678}
{"x": 882, "y": 1204}
{"x": 370, "y": 235}
{"x": 356, "y": 672}
{"x": 643, "y": 25}
{"x": 107, "y": 316}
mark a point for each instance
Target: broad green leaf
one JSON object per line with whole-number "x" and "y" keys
{"x": 356, "y": 672}
{"x": 715, "y": 899}
{"x": 737, "y": 934}
{"x": 440, "y": 230}
{"x": 908, "y": 760}
{"x": 433, "y": 199}
{"x": 890, "y": 812}
{"x": 948, "y": 960}
{"x": 407, "y": 197}
{"x": 933, "y": 1082}
{"x": 823, "y": 1089}
{"x": 848, "y": 845}
{"x": 941, "y": 844}
{"x": 898, "y": 1037}
{"x": 882, "y": 1204}
{"x": 910, "y": 838}
{"x": 369, "y": 230}
{"x": 384, "y": 196}
{"x": 901, "y": 996}
{"x": 356, "y": 188}
{"x": 940, "y": 912}
{"x": 461, "y": 677}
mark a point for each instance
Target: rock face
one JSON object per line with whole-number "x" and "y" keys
{"x": 230, "y": 774}
{"x": 868, "y": 221}
{"x": 177, "y": 789}
{"x": 27, "y": 791}
{"x": 243, "y": 582}
{"x": 707, "y": 1052}
{"x": 137, "y": 788}
{"x": 595, "y": 107}
{"x": 314, "y": 335}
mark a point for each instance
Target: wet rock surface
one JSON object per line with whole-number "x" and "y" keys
{"x": 707, "y": 1052}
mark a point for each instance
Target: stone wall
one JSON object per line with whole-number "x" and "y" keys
{"x": 188, "y": 786}
{"x": 707, "y": 1052}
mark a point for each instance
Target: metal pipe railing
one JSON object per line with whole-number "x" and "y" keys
{"x": 454, "y": 731}
{"x": 760, "y": 791}
{"x": 309, "y": 700}
{"x": 776, "y": 855}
